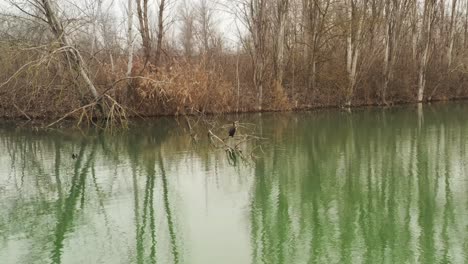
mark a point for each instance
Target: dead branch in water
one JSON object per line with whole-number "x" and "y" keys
{"x": 233, "y": 151}
{"x": 115, "y": 115}
{"x": 19, "y": 109}
{"x": 71, "y": 112}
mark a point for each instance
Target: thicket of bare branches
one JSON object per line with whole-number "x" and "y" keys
{"x": 150, "y": 57}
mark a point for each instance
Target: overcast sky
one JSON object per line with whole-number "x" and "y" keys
{"x": 224, "y": 20}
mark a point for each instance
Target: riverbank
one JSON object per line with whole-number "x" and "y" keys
{"x": 22, "y": 119}
{"x": 187, "y": 88}
{"x": 183, "y": 87}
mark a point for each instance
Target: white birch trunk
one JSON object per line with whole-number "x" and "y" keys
{"x": 314, "y": 35}
{"x": 386, "y": 66}
{"x": 258, "y": 30}
{"x": 427, "y": 24}
{"x": 162, "y": 6}
{"x": 349, "y": 43}
{"x": 238, "y": 80}
{"x": 451, "y": 33}
{"x": 349, "y": 53}
{"x": 281, "y": 40}
{"x": 95, "y": 26}
{"x": 353, "y": 47}
{"x": 111, "y": 58}
{"x": 395, "y": 14}
{"x": 465, "y": 30}
{"x": 415, "y": 31}
{"x": 58, "y": 31}
{"x": 130, "y": 38}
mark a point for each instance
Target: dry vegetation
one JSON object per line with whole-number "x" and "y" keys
{"x": 63, "y": 59}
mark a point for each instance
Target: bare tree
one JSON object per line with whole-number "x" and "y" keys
{"x": 205, "y": 25}
{"x": 425, "y": 44}
{"x": 160, "y": 35}
{"x": 315, "y": 13}
{"x": 142, "y": 12}
{"x": 414, "y": 29}
{"x": 394, "y": 17}
{"x": 282, "y": 8}
{"x": 315, "y": 51}
{"x": 256, "y": 16}
{"x": 187, "y": 20}
{"x": 96, "y": 17}
{"x": 356, "y": 11}
{"x": 130, "y": 38}
{"x": 72, "y": 54}
{"x": 465, "y": 26}
{"x": 110, "y": 39}
{"x": 452, "y": 26}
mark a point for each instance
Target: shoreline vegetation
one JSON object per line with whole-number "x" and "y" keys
{"x": 72, "y": 118}
{"x": 62, "y": 62}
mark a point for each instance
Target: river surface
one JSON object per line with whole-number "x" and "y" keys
{"x": 370, "y": 186}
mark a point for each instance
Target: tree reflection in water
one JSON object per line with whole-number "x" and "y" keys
{"x": 372, "y": 186}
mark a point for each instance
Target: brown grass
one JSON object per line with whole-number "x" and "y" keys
{"x": 182, "y": 88}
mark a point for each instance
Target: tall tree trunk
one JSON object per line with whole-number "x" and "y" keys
{"x": 451, "y": 33}
{"x": 204, "y": 18}
{"x": 394, "y": 14}
{"x": 316, "y": 13}
{"x": 76, "y": 59}
{"x": 238, "y": 79}
{"x": 429, "y": 10}
{"x": 442, "y": 24}
{"x": 280, "y": 61}
{"x": 310, "y": 37}
{"x": 95, "y": 26}
{"x": 353, "y": 40}
{"x": 130, "y": 38}
{"x": 160, "y": 31}
{"x": 142, "y": 11}
{"x": 349, "y": 51}
{"x": 387, "y": 57}
{"x": 465, "y": 28}
{"x": 258, "y": 80}
{"x": 414, "y": 30}
{"x": 257, "y": 23}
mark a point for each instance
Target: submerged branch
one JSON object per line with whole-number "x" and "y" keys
{"x": 232, "y": 152}
{"x": 70, "y": 113}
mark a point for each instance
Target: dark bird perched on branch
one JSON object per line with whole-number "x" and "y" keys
{"x": 233, "y": 129}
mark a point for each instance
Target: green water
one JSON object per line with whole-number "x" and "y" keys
{"x": 371, "y": 186}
